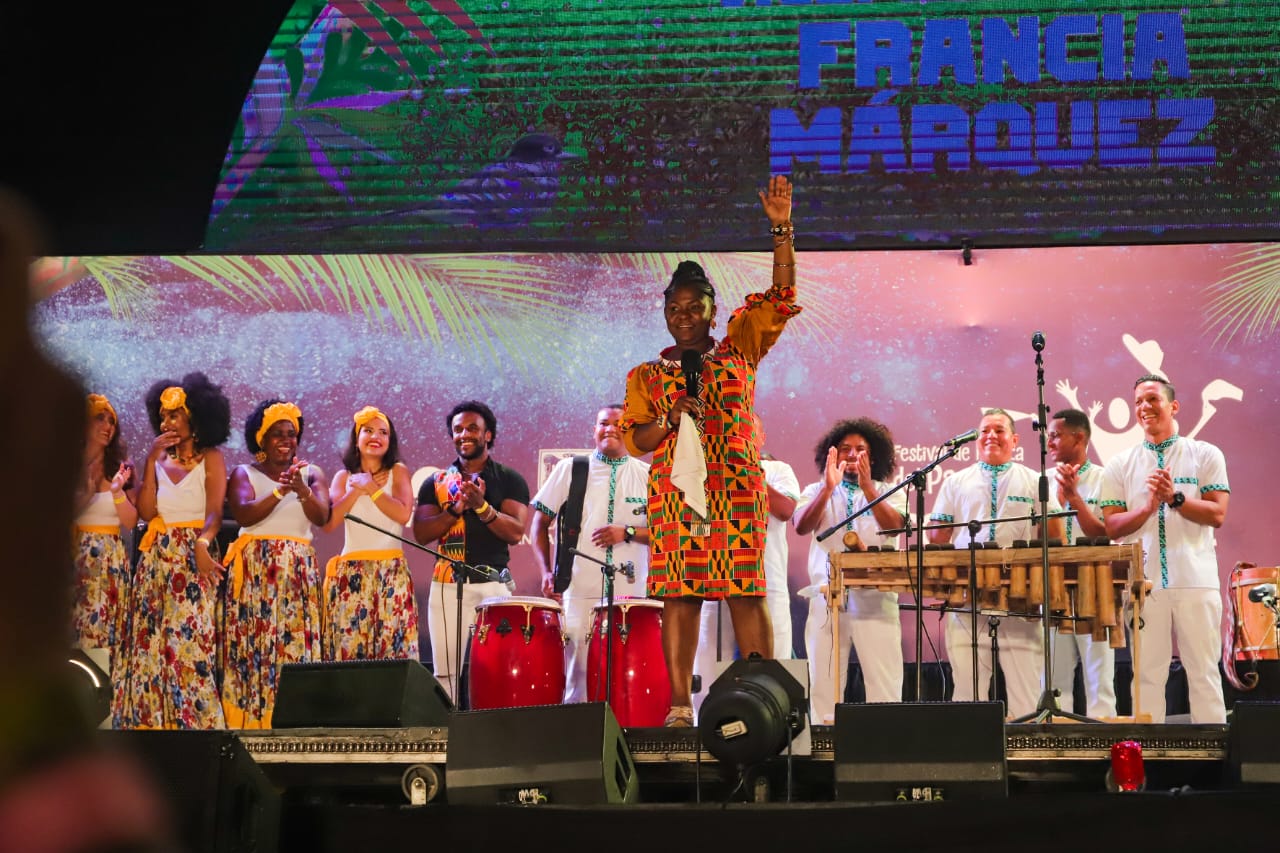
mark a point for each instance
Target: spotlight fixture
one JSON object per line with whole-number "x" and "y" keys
{"x": 752, "y": 712}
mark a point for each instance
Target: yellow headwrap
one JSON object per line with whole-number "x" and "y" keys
{"x": 367, "y": 414}
{"x": 98, "y": 404}
{"x": 275, "y": 413}
{"x": 174, "y": 398}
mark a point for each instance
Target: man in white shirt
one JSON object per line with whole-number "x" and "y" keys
{"x": 994, "y": 487}
{"x": 783, "y": 489}
{"x": 614, "y": 529}
{"x": 856, "y": 459}
{"x": 1079, "y": 482}
{"x": 1170, "y": 493}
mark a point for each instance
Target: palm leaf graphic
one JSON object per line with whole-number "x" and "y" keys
{"x": 498, "y": 307}
{"x": 124, "y": 281}
{"x": 1246, "y": 303}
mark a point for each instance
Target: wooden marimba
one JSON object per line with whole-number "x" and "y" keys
{"x": 1087, "y": 584}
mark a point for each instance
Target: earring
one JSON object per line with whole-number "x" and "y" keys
{"x": 260, "y": 456}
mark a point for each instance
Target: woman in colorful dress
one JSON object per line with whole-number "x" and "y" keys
{"x": 720, "y": 555}
{"x": 171, "y": 650}
{"x": 104, "y": 509}
{"x": 273, "y": 605}
{"x": 370, "y": 611}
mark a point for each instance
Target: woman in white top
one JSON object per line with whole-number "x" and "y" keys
{"x": 370, "y": 611}
{"x": 171, "y": 648}
{"x": 104, "y": 508}
{"x": 273, "y": 605}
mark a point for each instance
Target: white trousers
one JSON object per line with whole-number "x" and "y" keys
{"x": 871, "y": 625}
{"x": 1021, "y": 659}
{"x": 1195, "y": 615}
{"x": 579, "y": 618}
{"x": 1099, "y": 672}
{"x": 442, "y": 625}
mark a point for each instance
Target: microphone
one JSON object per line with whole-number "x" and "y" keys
{"x": 628, "y": 568}
{"x": 691, "y": 365}
{"x": 1037, "y": 341}
{"x": 1264, "y": 593}
{"x": 503, "y": 576}
{"x": 962, "y": 438}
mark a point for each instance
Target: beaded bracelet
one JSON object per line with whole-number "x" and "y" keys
{"x": 783, "y": 229}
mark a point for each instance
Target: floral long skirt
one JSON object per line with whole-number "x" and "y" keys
{"x": 273, "y": 618}
{"x": 170, "y": 651}
{"x": 370, "y": 611}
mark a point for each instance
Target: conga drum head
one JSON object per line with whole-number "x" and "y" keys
{"x": 516, "y": 653}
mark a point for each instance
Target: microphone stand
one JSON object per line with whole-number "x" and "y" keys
{"x": 480, "y": 574}
{"x": 918, "y": 480}
{"x": 1047, "y": 707}
{"x": 608, "y": 570}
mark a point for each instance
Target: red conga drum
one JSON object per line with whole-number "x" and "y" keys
{"x": 516, "y": 653}
{"x": 641, "y": 688}
{"x": 1255, "y": 637}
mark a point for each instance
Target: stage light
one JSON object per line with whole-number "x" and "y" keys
{"x": 752, "y": 712}
{"x": 91, "y": 685}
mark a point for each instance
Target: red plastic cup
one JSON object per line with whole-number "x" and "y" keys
{"x": 1127, "y": 771}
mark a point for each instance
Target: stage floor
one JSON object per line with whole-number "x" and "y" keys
{"x": 370, "y": 765}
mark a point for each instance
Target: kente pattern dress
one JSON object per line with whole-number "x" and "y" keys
{"x": 721, "y": 556}
{"x": 273, "y": 609}
{"x": 171, "y": 647}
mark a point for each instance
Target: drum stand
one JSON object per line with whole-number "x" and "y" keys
{"x": 461, "y": 573}
{"x": 608, "y": 570}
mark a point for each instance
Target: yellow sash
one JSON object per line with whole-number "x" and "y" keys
{"x": 234, "y": 561}
{"x": 102, "y": 529}
{"x": 357, "y": 556}
{"x": 157, "y": 526}
{"x": 237, "y": 719}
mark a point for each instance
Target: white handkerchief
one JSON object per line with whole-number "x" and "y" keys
{"x": 689, "y": 467}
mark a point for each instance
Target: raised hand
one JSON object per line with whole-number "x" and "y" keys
{"x": 777, "y": 200}
{"x": 834, "y": 472}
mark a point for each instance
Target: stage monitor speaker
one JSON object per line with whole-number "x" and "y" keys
{"x": 219, "y": 799}
{"x": 557, "y": 754}
{"x": 1253, "y": 750}
{"x": 920, "y": 751}
{"x": 384, "y": 694}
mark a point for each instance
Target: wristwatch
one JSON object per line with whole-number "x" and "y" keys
{"x": 1178, "y": 500}
{"x": 628, "y": 533}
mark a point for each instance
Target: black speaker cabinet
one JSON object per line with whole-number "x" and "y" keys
{"x": 920, "y": 751}
{"x": 219, "y": 799}
{"x": 385, "y": 694}
{"x": 557, "y": 754}
{"x": 1253, "y": 750}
